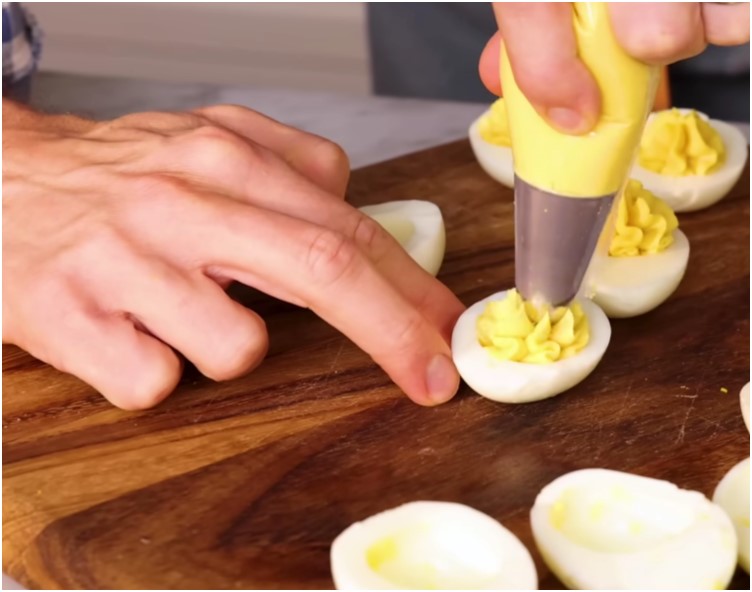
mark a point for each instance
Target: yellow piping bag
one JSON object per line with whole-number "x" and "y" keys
{"x": 564, "y": 184}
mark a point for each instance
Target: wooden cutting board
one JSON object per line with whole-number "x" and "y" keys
{"x": 245, "y": 484}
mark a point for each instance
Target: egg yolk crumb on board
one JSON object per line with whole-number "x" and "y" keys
{"x": 678, "y": 144}
{"x": 644, "y": 223}
{"x": 518, "y": 331}
{"x": 494, "y": 126}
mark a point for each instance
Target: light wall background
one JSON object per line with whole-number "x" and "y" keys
{"x": 294, "y": 45}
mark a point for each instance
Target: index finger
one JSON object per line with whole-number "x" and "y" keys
{"x": 328, "y": 273}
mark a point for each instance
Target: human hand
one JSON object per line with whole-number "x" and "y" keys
{"x": 540, "y": 42}
{"x": 119, "y": 236}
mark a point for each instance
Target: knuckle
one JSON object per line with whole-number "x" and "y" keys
{"x": 660, "y": 41}
{"x": 212, "y": 138}
{"x": 225, "y": 109}
{"x": 533, "y": 83}
{"x": 240, "y": 357}
{"x": 407, "y": 333}
{"x": 331, "y": 256}
{"x": 370, "y": 235}
{"x": 331, "y": 157}
{"x": 156, "y": 185}
{"x": 150, "y": 386}
{"x": 216, "y": 148}
{"x": 209, "y": 132}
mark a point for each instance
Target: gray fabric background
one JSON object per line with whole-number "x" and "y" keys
{"x": 431, "y": 50}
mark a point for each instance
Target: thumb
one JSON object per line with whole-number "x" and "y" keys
{"x": 540, "y": 42}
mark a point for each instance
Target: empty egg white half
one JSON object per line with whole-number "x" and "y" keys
{"x": 744, "y": 401}
{"x": 630, "y": 286}
{"x": 520, "y": 382}
{"x": 606, "y": 530}
{"x": 417, "y": 225}
{"x": 695, "y": 192}
{"x": 732, "y": 494}
{"x": 431, "y": 546}
{"x": 495, "y": 160}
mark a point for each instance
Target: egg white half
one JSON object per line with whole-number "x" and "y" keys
{"x": 744, "y": 401}
{"x": 518, "y": 382}
{"x": 630, "y": 286}
{"x": 417, "y": 225}
{"x": 695, "y": 192}
{"x": 732, "y": 494}
{"x": 495, "y": 160}
{"x": 606, "y": 530}
{"x": 431, "y": 545}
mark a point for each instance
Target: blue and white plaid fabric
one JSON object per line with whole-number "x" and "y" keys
{"x": 21, "y": 47}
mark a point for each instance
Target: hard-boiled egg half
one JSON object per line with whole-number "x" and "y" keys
{"x": 732, "y": 494}
{"x": 641, "y": 258}
{"x": 492, "y": 145}
{"x": 689, "y": 160}
{"x": 744, "y": 401}
{"x": 431, "y": 546}
{"x": 417, "y": 225}
{"x": 606, "y": 530}
{"x": 512, "y": 351}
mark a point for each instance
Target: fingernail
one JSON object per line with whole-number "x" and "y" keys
{"x": 567, "y": 120}
{"x": 442, "y": 379}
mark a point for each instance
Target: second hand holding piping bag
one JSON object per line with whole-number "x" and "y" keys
{"x": 565, "y": 184}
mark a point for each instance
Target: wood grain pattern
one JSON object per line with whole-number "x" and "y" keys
{"x": 245, "y": 484}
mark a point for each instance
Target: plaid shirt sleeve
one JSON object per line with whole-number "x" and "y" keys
{"x": 21, "y": 46}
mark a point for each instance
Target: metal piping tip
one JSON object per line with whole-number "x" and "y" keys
{"x": 555, "y": 237}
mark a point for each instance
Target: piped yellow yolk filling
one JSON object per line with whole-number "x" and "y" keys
{"x": 645, "y": 224}
{"x": 494, "y": 126}
{"x": 677, "y": 145}
{"x": 518, "y": 331}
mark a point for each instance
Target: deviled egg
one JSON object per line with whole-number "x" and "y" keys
{"x": 416, "y": 225}
{"x": 689, "y": 160}
{"x": 606, "y": 530}
{"x": 744, "y": 401}
{"x": 732, "y": 494}
{"x": 431, "y": 546}
{"x": 492, "y": 145}
{"x": 641, "y": 258}
{"x": 511, "y": 351}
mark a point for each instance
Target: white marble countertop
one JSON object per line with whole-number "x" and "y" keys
{"x": 370, "y": 129}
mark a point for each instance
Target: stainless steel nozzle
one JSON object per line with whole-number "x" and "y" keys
{"x": 555, "y": 237}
